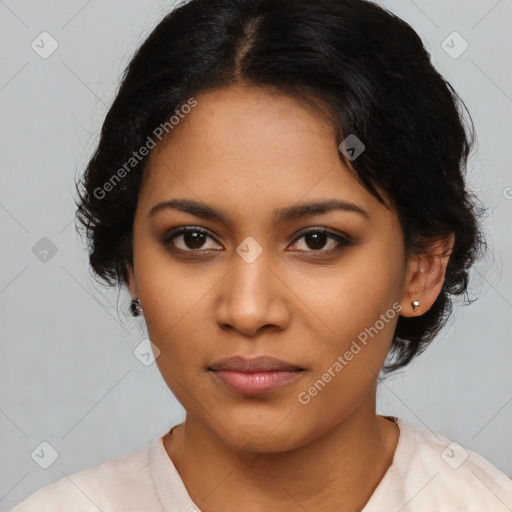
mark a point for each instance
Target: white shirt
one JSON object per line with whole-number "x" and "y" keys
{"x": 428, "y": 474}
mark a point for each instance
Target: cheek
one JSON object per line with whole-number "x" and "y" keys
{"x": 365, "y": 287}
{"x": 361, "y": 307}
{"x": 162, "y": 292}
{"x": 176, "y": 310}
{"x": 172, "y": 323}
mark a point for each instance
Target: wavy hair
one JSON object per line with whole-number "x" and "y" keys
{"x": 361, "y": 64}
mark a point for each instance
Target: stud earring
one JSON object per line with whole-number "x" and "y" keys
{"x": 135, "y": 307}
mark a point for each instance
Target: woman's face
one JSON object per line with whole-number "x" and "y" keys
{"x": 255, "y": 275}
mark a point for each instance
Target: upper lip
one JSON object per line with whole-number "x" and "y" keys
{"x": 253, "y": 365}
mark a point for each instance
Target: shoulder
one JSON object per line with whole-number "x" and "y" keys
{"x": 122, "y": 483}
{"x": 447, "y": 476}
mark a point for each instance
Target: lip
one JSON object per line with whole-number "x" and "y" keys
{"x": 256, "y": 375}
{"x": 253, "y": 365}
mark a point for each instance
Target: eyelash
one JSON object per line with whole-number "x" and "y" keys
{"x": 342, "y": 241}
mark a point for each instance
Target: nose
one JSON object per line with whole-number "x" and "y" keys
{"x": 252, "y": 298}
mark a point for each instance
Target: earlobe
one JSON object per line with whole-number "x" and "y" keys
{"x": 412, "y": 304}
{"x": 425, "y": 277}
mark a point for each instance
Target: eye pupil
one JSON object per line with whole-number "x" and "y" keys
{"x": 194, "y": 239}
{"x": 318, "y": 240}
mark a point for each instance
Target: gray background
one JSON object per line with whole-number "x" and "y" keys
{"x": 68, "y": 373}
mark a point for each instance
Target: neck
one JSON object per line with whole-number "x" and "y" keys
{"x": 339, "y": 469}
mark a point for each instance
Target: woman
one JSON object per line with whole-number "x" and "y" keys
{"x": 280, "y": 185}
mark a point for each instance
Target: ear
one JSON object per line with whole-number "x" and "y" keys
{"x": 132, "y": 282}
{"x": 425, "y": 276}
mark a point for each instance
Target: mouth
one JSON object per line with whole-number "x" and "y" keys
{"x": 257, "y": 375}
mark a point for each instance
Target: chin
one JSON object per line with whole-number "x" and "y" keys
{"x": 264, "y": 433}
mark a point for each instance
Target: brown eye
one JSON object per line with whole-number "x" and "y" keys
{"x": 316, "y": 240}
{"x": 189, "y": 239}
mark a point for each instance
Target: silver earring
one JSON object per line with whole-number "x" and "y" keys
{"x": 135, "y": 307}
{"x": 415, "y": 304}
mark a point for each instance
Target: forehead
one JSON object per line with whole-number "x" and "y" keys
{"x": 245, "y": 146}
{"x": 250, "y": 120}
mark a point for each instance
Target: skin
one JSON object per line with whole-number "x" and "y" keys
{"x": 248, "y": 151}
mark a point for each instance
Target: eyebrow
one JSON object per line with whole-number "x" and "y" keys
{"x": 281, "y": 215}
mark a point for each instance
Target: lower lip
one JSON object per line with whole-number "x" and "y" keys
{"x": 260, "y": 382}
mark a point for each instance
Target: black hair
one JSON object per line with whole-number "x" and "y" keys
{"x": 364, "y": 66}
